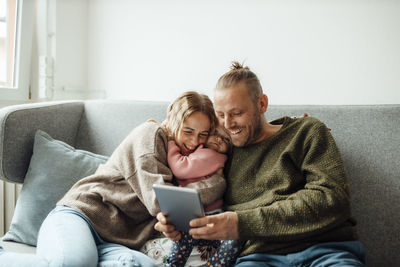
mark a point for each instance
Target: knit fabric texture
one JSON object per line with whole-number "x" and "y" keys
{"x": 290, "y": 191}
{"x": 119, "y": 200}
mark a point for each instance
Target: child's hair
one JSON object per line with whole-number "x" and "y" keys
{"x": 184, "y": 106}
{"x": 222, "y": 133}
{"x": 239, "y": 73}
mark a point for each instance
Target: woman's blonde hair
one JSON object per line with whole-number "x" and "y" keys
{"x": 239, "y": 73}
{"x": 184, "y": 106}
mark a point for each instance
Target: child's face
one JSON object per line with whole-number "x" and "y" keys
{"x": 219, "y": 141}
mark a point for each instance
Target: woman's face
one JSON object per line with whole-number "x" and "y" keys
{"x": 194, "y": 131}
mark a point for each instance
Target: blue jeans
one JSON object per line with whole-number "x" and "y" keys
{"x": 66, "y": 238}
{"x": 350, "y": 253}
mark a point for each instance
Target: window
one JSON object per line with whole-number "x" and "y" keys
{"x": 16, "y": 27}
{"x": 7, "y": 42}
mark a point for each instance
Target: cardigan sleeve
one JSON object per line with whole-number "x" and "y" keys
{"x": 322, "y": 203}
{"x": 202, "y": 162}
{"x": 210, "y": 189}
{"x": 141, "y": 159}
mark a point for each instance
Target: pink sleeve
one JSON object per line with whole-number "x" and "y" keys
{"x": 202, "y": 162}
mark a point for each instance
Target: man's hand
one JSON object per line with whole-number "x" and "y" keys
{"x": 223, "y": 226}
{"x": 167, "y": 229}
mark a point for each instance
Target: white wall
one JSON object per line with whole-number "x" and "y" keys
{"x": 61, "y": 34}
{"x": 304, "y": 52}
{"x": 71, "y": 46}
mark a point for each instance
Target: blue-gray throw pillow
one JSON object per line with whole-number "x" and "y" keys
{"x": 54, "y": 167}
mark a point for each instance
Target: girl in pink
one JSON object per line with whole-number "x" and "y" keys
{"x": 199, "y": 165}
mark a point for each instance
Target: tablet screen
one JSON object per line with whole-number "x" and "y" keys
{"x": 180, "y": 204}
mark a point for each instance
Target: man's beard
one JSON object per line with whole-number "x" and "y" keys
{"x": 255, "y": 131}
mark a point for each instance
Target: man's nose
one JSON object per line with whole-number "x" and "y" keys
{"x": 227, "y": 122}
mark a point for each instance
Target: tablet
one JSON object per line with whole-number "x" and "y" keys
{"x": 180, "y": 204}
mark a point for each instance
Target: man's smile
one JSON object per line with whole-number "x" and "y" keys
{"x": 235, "y": 131}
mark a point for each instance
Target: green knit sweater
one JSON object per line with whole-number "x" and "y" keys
{"x": 290, "y": 191}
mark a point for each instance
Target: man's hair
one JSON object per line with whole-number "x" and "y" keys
{"x": 184, "y": 106}
{"x": 238, "y": 73}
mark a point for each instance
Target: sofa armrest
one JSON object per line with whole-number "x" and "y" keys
{"x": 18, "y": 125}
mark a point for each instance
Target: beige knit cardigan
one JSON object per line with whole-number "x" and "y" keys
{"x": 119, "y": 200}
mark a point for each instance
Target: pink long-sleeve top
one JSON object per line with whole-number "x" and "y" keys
{"x": 197, "y": 166}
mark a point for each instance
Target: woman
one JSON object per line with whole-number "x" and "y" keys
{"x": 106, "y": 217}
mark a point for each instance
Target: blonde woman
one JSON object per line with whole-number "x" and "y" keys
{"x": 105, "y": 218}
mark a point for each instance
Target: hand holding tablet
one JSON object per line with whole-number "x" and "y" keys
{"x": 179, "y": 204}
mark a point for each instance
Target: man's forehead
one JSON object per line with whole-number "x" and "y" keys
{"x": 227, "y": 101}
{"x": 226, "y": 108}
{"x": 224, "y": 95}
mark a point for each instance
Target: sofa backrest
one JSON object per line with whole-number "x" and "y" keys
{"x": 367, "y": 136}
{"x": 369, "y": 140}
{"x": 104, "y": 124}
{"x": 18, "y": 124}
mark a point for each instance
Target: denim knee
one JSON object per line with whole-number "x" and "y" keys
{"x": 72, "y": 262}
{"x": 129, "y": 258}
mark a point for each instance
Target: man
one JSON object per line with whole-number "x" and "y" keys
{"x": 287, "y": 194}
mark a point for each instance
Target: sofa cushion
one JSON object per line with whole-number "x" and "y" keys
{"x": 54, "y": 167}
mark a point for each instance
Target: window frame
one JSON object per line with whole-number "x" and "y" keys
{"x": 19, "y": 93}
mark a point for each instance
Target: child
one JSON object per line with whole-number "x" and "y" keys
{"x": 196, "y": 166}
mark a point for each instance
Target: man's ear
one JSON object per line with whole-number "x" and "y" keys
{"x": 262, "y": 103}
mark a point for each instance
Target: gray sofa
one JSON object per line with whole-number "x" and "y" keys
{"x": 368, "y": 137}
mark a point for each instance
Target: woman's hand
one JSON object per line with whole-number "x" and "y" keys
{"x": 167, "y": 229}
{"x": 223, "y": 226}
{"x": 302, "y": 116}
{"x": 306, "y": 115}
